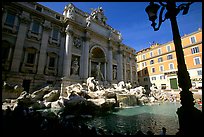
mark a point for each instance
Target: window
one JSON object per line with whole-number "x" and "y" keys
{"x": 153, "y": 78}
{"x": 38, "y": 8}
{"x": 193, "y": 40}
{"x": 55, "y": 34}
{"x": 52, "y": 62}
{"x": 162, "y": 77}
{"x": 50, "y": 82}
{"x": 160, "y": 59}
{"x": 194, "y": 50}
{"x": 145, "y": 71}
{"x": 31, "y": 57}
{"x": 145, "y": 79}
{"x": 151, "y": 62}
{"x": 36, "y": 27}
{"x": 169, "y": 57}
{"x": 143, "y": 56}
{"x": 161, "y": 68}
{"x": 153, "y": 70}
{"x": 138, "y": 74}
{"x": 159, "y": 52}
{"x": 115, "y": 57}
{"x": 163, "y": 86}
{"x": 10, "y": 19}
{"x": 4, "y": 54}
{"x": 199, "y": 72}
{"x": 197, "y": 61}
{"x": 151, "y": 54}
{"x": 168, "y": 48}
{"x": 171, "y": 66}
{"x": 57, "y": 17}
{"x": 144, "y": 64}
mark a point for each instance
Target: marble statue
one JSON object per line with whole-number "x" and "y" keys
{"x": 75, "y": 67}
{"x": 77, "y": 43}
{"x": 98, "y": 14}
{"x": 71, "y": 11}
{"x": 99, "y": 74}
{"x": 114, "y": 73}
{"x": 88, "y": 21}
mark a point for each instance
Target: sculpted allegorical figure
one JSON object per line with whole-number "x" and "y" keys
{"x": 99, "y": 74}
{"x": 71, "y": 11}
{"x": 114, "y": 73}
{"x": 75, "y": 67}
{"x": 88, "y": 21}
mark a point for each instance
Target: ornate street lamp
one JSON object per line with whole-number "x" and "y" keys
{"x": 190, "y": 118}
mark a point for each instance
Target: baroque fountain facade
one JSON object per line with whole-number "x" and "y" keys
{"x": 78, "y": 53}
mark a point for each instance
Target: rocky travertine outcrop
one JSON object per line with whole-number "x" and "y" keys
{"x": 87, "y": 98}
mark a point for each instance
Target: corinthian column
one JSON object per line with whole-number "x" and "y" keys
{"x": 125, "y": 69}
{"x": 67, "y": 51}
{"x": 60, "y": 65}
{"x": 131, "y": 69}
{"x": 110, "y": 60}
{"x": 43, "y": 48}
{"x": 85, "y": 56}
{"x": 120, "y": 65}
{"x": 18, "y": 51}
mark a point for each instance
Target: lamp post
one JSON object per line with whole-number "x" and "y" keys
{"x": 189, "y": 117}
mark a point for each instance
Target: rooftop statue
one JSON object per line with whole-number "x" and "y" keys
{"x": 70, "y": 11}
{"x": 98, "y": 14}
{"x": 88, "y": 21}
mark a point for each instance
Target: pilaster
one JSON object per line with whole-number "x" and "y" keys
{"x": 43, "y": 48}
{"x": 110, "y": 62}
{"x": 18, "y": 51}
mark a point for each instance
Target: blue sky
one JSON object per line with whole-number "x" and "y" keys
{"x": 132, "y": 21}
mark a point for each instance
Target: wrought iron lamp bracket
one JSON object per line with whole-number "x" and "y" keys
{"x": 160, "y": 20}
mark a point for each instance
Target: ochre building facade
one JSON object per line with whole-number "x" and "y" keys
{"x": 158, "y": 65}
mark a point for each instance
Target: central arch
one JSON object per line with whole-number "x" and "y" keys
{"x": 97, "y": 57}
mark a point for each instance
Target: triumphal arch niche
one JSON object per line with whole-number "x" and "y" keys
{"x": 94, "y": 49}
{"x": 97, "y": 63}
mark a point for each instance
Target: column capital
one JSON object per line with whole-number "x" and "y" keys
{"x": 25, "y": 17}
{"x": 47, "y": 25}
{"x": 69, "y": 30}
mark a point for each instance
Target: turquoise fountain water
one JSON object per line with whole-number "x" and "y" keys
{"x": 142, "y": 118}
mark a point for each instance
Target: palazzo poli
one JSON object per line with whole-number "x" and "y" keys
{"x": 41, "y": 46}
